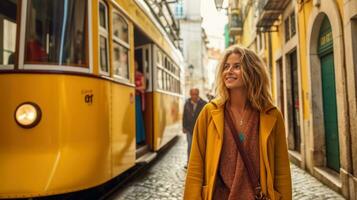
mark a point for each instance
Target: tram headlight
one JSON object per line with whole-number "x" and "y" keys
{"x": 27, "y": 115}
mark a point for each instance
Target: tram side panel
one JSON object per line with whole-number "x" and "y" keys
{"x": 122, "y": 128}
{"x": 69, "y": 149}
{"x": 167, "y": 118}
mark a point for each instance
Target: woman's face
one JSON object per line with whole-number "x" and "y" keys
{"x": 232, "y": 73}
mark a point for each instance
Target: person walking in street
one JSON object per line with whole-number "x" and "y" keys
{"x": 192, "y": 108}
{"x": 239, "y": 148}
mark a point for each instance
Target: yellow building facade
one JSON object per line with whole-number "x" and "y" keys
{"x": 310, "y": 48}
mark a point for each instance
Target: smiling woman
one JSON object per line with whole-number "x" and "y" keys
{"x": 239, "y": 133}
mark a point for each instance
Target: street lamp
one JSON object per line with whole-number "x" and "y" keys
{"x": 219, "y": 4}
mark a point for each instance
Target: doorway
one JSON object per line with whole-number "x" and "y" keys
{"x": 143, "y": 78}
{"x": 326, "y": 54}
{"x": 293, "y": 104}
{"x": 280, "y": 86}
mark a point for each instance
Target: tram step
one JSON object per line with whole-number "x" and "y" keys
{"x": 142, "y": 150}
{"x": 147, "y": 158}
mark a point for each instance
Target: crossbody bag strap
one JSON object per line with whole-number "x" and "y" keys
{"x": 247, "y": 162}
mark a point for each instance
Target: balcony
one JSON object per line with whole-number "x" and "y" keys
{"x": 269, "y": 12}
{"x": 235, "y": 23}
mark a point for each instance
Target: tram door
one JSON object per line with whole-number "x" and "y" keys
{"x": 144, "y": 65}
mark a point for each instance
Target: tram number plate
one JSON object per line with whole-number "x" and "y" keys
{"x": 88, "y": 96}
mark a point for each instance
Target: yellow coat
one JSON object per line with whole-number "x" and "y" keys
{"x": 275, "y": 178}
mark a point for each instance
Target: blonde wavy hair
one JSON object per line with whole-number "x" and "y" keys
{"x": 255, "y": 77}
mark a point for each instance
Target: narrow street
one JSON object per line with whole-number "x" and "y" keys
{"x": 164, "y": 180}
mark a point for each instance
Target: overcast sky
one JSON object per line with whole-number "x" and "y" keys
{"x": 214, "y": 22}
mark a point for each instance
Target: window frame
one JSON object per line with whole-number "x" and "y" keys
{"x": 165, "y": 80}
{"x": 289, "y": 23}
{"x": 287, "y": 29}
{"x": 120, "y": 42}
{"x": 53, "y": 67}
{"x": 292, "y": 17}
{"x": 19, "y": 10}
{"x": 12, "y": 66}
{"x": 105, "y": 33}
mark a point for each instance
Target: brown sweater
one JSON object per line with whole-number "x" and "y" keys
{"x": 233, "y": 182}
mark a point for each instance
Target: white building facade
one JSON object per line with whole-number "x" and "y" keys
{"x": 194, "y": 46}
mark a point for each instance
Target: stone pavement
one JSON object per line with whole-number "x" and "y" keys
{"x": 164, "y": 180}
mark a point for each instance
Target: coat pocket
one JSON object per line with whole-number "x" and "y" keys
{"x": 204, "y": 192}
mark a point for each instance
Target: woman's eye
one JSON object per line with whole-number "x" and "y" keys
{"x": 237, "y": 66}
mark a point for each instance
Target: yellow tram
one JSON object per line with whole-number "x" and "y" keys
{"x": 67, "y": 92}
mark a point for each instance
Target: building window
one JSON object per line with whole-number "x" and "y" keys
{"x": 260, "y": 41}
{"x": 121, "y": 46}
{"x": 8, "y": 32}
{"x": 103, "y": 38}
{"x": 290, "y": 27}
{"x": 179, "y": 10}
{"x": 287, "y": 30}
{"x": 56, "y": 33}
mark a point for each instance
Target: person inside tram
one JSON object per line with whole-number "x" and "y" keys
{"x": 78, "y": 48}
{"x": 239, "y": 148}
{"x": 139, "y": 104}
{"x": 35, "y": 49}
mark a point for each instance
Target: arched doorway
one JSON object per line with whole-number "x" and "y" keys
{"x": 326, "y": 55}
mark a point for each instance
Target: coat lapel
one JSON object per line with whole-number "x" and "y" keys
{"x": 218, "y": 120}
{"x": 218, "y": 116}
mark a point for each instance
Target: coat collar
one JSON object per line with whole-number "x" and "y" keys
{"x": 267, "y": 120}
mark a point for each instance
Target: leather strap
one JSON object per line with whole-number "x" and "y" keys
{"x": 247, "y": 162}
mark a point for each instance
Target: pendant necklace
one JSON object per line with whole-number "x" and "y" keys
{"x": 241, "y": 134}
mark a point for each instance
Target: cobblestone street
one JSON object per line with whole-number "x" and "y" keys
{"x": 164, "y": 180}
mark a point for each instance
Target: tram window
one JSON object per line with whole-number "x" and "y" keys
{"x": 121, "y": 44}
{"x": 120, "y": 28}
{"x": 164, "y": 80}
{"x": 174, "y": 85}
{"x": 167, "y": 81}
{"x": 159, "y": 78}
{"x": 163, "y": 61}
{"x": 103, "y": 39}
{"x": 159, "y": 58}
{"x": 56, "y": 32}
{"x": 120, "y": 64}
{"x": 175, "y": 81}
{"x": 171, "y": 84}
{"x": 103, "y": 54}
{"x": 102, "y": 15}
{"x": 8, "y": 12}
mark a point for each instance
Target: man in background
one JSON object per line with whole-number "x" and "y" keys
{"x": 192, "y": 109}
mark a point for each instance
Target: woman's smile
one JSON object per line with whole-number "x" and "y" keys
{"x": 231, "y": 78}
